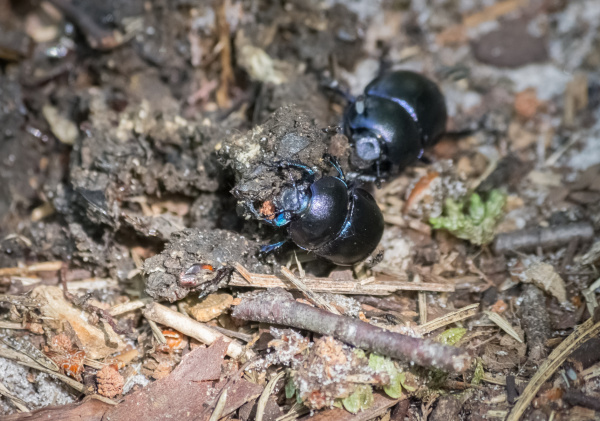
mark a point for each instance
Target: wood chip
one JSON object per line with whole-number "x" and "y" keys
{"x": 209, "y": 307}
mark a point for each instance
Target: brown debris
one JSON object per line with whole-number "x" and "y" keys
{"x": 110, "y": 382}
{"x": 328, "y": 371}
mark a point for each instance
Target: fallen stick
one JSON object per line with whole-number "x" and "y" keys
{"x": 257, "y": 280}
{"x": 279, "y": 307}
{"x": 581, "y": 334}
{"x": 550, "y": 237}
{"x": 181, "y": 323}
{"x": 51, "y": 266}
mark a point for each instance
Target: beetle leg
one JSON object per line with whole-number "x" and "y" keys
{"x": 423, "y": 158}
{"x": 334, "y": 86}
{"x": 310, "y": 173}
{"x": 335, "y": 164}
{"x": 269, "y": 248}
{"x": 213, "y": 284}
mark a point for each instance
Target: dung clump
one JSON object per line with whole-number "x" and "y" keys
{"x": 191, "y": 248}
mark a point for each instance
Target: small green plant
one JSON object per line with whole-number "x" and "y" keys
{"x": 359, "y": 400}
{"x": 478, "y": 374}
{"x": 451, "y": 336}
{"x": 475, "y": 221}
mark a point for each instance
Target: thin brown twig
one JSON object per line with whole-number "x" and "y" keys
{"x": 278, "y": 306}
{"x": 244, "y": 278}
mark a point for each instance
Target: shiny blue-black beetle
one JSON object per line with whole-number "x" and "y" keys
{"x": 393, "y": 121}
{"x": 331, "y": 219}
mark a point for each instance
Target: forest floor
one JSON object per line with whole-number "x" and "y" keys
{"x": 124, "y": 128}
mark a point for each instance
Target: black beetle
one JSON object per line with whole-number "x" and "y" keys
{"x": 331, "y": 219}
{"x": 399, "y": 115}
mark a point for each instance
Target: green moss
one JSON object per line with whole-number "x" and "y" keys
{"x": 474, "y": 221}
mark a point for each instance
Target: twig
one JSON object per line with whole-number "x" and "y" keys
{"x": 97, "y": 37}
{"x": 11, "y": 325}
{"x": 590, "y": 296}
{"x": 165, "y": 316}
{"x": 264, "y": 397}
{"x": 243, "y": 278}
{"x": 576, "y": 398}
{"x": 380, "y": 303}
{"x": 315, "y": 298}
{"x": 581, "y": 334}
{"x": 218, "y": 411}
{"x": 553, "y": 159}
{"x": 455, "y": 316}
{"x": 233, "y": 334}
{"x": 157, "y": 332}
{"x": 550, "y": 237}
{"x": 511, "y": 389}
{"x": 422, "y": 302}
{"x": 126, "y": 307}
{"x": 37, "y": 267}
{"x": 278, "y": 307}
{"x": 535, "y": 320}
{"x": 296, "y": 411}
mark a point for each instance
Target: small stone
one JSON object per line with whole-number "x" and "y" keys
{"x": 64, "y": 129}
{"x": 510, "y": 46}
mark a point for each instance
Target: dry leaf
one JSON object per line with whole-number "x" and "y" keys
{"x": 545, "y": 277}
